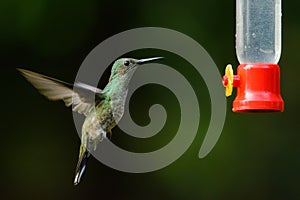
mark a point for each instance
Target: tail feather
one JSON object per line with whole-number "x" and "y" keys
{"x": 82, "y": 161}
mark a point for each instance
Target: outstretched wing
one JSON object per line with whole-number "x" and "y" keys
{"x": 55, "y": 90}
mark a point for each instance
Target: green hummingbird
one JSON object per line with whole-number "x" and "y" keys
{"x": 102, "y": 114}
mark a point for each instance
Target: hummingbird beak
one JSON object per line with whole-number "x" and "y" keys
{"x": 145, "y": 60}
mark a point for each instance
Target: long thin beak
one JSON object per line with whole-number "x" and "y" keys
{"x": 145, "y": 60}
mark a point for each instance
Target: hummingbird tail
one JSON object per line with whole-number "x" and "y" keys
{"x": 81, "y": 166}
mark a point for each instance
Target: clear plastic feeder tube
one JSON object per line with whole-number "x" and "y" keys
{"x": 258, "y": 31}
{"x": 258, "y": 49}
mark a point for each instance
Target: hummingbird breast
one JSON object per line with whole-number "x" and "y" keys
{"x": 108, "y": 112}
{"x": 118, "y": 96}
{"x": 99, "y": 121}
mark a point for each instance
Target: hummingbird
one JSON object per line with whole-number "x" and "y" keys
{"x": 102, "y": 113}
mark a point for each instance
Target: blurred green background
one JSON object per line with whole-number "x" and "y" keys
{"x": 256, "y": 157}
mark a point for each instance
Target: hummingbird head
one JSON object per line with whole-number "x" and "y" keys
{"x": 124, "y": 66}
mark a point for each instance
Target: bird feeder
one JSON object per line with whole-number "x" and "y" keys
{"x": 258, "y": 49}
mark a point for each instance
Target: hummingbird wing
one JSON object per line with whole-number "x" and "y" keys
{"x": 55, "y": 90}
{"x": 88, "y": 87}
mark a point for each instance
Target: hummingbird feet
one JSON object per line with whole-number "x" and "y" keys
{"x": 101, "y": 134}
{"x": 109, "y": 133}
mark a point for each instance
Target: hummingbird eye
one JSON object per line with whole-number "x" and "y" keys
{"x": 126, "y": 63}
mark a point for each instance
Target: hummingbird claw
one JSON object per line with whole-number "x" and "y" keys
{"x": 101, "y": 135}
{"x": 109, "y": 135}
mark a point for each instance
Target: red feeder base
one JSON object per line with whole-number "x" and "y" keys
{"x": 258, "y": 89}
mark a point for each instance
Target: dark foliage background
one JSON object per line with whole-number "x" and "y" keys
{"x": 257, "y": 156}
